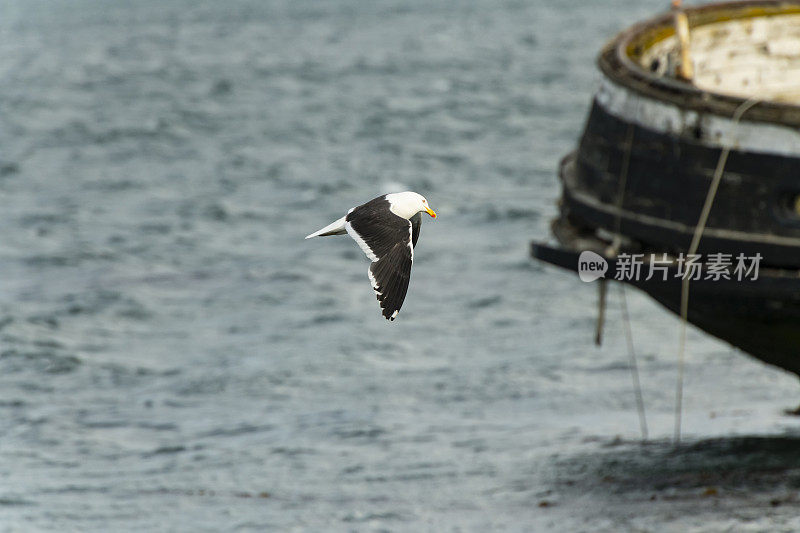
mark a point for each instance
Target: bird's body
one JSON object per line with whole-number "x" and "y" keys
{"x": 386, "y": 229}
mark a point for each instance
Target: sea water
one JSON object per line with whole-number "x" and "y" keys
{"x": 175, "y": 357}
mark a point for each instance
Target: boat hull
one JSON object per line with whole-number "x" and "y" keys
{"x": 653, "y": 145}
{"x": 761, "y": 317}
{"x": 666, "y": 179}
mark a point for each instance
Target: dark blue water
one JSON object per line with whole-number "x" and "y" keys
{"x": 175, "y": 357}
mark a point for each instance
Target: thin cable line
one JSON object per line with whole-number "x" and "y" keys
{"x": 698, "y": 234}
{"x": 637, "y": 389}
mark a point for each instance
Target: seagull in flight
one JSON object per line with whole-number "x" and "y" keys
{"x": 386, "y": 229}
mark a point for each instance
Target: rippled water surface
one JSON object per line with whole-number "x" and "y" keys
{"x": 175, "y": 357}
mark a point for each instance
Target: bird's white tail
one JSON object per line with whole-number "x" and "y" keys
{"x": 335, "y": 228}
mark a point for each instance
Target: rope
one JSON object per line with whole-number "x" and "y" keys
{"x": 637, "y": 389}
{"x": 698, "y": 233}
{"x": 623, "y": 182}
{"x": 617, "y": 242}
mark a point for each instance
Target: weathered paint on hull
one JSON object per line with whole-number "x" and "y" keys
{"x": 666, "y": 185}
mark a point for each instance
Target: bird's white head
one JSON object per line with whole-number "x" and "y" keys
{"x": 407, "y": 204}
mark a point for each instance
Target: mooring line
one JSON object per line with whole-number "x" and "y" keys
{"x": 623, "y": 182}
{"x": 614, "y": 249}
{"x": 634, "y": 367}
{"x": 698, "y": 233}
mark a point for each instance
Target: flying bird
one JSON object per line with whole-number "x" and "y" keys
{"x": 386, "y": 228}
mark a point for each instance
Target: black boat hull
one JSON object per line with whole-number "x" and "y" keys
{"x": 657, "y": 142}
{"x": 761, "y": 317}
{"x": 666, "y": 181}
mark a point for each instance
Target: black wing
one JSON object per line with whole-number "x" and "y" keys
{"x": 387, "y": 240}
{"x": 416, "y": 224}
{"x": 375, "y": 228}
{"x": 389, "y": 276}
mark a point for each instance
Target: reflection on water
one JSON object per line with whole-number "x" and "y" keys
{"x": 705, "y": 483}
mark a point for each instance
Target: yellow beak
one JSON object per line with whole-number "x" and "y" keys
{"x": 431, "y": 212}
